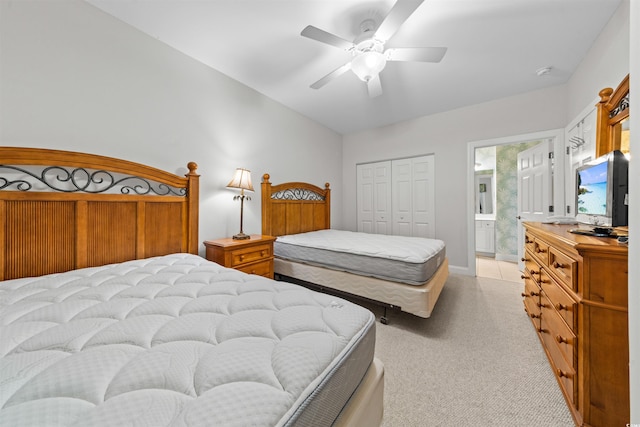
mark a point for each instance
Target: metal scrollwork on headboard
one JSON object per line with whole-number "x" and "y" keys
{"x": 297, "y": 194}
{"x": 82, "y": 180}
{"x": 622, "y": 105}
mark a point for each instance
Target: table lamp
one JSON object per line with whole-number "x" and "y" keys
{"x": 242, "y": 180}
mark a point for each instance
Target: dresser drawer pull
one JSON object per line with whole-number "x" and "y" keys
{"x": 562, "y": 339}
{"x": 562, "y": 373}
{"x": 541, "y": 305}
{"x": 542, "y": 331}
{"x": 560, "y": 307}
{"x": 556, "y": 264}
{"x": 534, "y": 294}
{"x": 241, "y": 257}
{"x": 533, "y": 272}
{"x": 523, "y": 277}
{"x": 526, "y": 240}
{"x": 540, "y": 251}
{"x": 523, "y": 259}
{"x": 534, "y": 316}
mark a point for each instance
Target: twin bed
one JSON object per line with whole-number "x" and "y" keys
{"x": 405, "y": 273}
{"x": 109, "y": 317}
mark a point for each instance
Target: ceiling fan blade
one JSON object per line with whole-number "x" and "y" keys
{"x": 396, "y": 17}
{"x": 332, "y": 75}
{"x": 374, "y": 87}
{"x": 418, "y": 54}
{"x": 324, "y": 37}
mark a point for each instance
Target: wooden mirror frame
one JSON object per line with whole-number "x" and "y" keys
{"x": 612, "y": 109}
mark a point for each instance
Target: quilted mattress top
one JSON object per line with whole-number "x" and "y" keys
{"x": 401, "y": 248}
{"x": 174, "y": 340}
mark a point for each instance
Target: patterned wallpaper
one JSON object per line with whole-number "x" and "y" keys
{"x": 507, "y": 199}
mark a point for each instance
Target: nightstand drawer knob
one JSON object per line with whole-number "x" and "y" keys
{"x": 241, "y": 257}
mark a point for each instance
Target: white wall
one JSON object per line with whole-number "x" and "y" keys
{"x": 75, "y": 78}
{"x": 446, "y": 135}
{"x": 605, "y": 65}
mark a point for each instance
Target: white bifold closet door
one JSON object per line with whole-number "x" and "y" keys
{"x": 397, "y": 197}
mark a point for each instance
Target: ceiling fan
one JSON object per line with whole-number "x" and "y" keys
{"x": 369, "y": 55}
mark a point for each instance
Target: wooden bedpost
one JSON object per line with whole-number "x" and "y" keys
{"x": 266, "y": 205}
{"x": 193, "y": 207}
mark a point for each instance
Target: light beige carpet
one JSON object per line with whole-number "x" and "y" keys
{"x": 476, "y": 362}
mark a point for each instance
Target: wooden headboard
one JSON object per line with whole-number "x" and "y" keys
{"x": 612, "y": 111}
{"x": 294, "y": 207}
{"x": 62, "y": 210}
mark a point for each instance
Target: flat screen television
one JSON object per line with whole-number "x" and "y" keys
{"x": 602, "y": 191}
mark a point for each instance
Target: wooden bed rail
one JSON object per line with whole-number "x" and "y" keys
{"x": 63, "y": 210}
{"x": 294, "y": 207}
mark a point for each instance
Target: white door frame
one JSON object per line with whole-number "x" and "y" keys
{"x": 558, "y": 179}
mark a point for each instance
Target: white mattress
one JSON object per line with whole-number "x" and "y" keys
{"x": 410, "y": 260}
{"x": 176, "y": 340}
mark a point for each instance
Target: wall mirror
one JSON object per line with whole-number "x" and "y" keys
{"x": 612, "y": 127}
{"x": 484, "y": 192}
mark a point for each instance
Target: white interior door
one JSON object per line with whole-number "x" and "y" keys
{"x": 401, "y": 197}
{"x": 365, "y": 190}
{"x": 382, "y": 214}
{"x": 534, "y": 188}
{"x": 373, "y": 183}
{"x": 424, "y": 224}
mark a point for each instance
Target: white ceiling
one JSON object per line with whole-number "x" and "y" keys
{"x": 494, "y": 47}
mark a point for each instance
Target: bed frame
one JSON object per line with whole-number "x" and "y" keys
{"x": 62, "y": 210}
{"x": 298, "y": 207}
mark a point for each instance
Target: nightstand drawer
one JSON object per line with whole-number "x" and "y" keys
{"x": 243, "y": 256}
{"x": 253, "y": 255}
{"x": 261, "y": 269}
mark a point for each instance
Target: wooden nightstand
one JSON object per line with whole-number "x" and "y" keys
{"x": 253, "y": 256}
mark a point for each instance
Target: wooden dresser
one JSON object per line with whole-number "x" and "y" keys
{"x": 253, "y": 256}
{"x": 575, "y": 292}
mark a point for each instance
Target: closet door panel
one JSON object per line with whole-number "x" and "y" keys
{"x": 423, "y": 213}
{"x": 401, "y": 197}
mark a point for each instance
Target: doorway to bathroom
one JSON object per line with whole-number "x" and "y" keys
{"x": 493, "y": 224}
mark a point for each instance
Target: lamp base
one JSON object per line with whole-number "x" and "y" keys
{"x": 241, "y": 236}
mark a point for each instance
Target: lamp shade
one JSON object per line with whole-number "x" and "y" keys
{"x": 241, "y": 180}
{"x": 367, "y": 65}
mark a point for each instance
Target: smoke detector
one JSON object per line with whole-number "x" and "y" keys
{"x": 543, "y": 71}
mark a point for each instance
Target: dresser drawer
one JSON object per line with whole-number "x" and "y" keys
{"x": 529, "y": 242}
{"x": 250, "y": 254}
{"x": 532, "y": 267}
{"x": 554, "y": 325}
{"x": 564, "y": 371}
{"x": 531, "y": 300}
{"x": 564, "y": 268}
{"x": 541, "y": 251}
{"x": 264, "y": 268}
{"x": 561, "y": 301}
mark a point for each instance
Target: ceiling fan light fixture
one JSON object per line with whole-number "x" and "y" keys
{"x": 367, "y": 65}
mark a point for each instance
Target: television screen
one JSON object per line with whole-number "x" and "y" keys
{"x": 601, "y": 191}
{"x": 592, "y": 190}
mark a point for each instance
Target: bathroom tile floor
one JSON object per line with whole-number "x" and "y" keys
{"x": 502, "y": 270}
